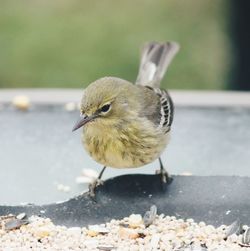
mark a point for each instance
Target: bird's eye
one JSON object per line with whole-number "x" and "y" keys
{"x": 105, "y": 108}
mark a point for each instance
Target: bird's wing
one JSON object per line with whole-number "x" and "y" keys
{"x": 167, "y": 108}
{"x": 155, "y": 59}
{"x": 158, "y": 107}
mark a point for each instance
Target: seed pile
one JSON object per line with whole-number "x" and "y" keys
{"x": 151, "y": 232}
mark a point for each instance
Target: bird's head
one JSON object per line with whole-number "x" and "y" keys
{"x": 105, "y": 102}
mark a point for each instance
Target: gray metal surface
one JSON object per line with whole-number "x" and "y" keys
{"x": 39, "y": 151}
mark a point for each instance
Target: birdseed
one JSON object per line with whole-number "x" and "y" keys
{"x": 164, "y": 233}
{"x": 21, "y": 102}
{"x": 63, "y": 188}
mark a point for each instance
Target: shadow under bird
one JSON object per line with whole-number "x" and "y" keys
{"x": 128, "y": 125}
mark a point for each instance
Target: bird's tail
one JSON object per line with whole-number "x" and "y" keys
{"x": 155, "y": 59}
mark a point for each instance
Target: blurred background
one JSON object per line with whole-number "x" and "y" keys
{"x": 65, "y": 43}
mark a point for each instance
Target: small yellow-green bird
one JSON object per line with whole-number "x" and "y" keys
{"x": 128, "y": 125}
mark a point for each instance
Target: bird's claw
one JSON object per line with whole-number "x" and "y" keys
{"x": 93, "y": 186}
{"x": 165, "y": 177}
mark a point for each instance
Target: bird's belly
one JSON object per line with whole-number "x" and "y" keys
{"x": 122, "y": 154}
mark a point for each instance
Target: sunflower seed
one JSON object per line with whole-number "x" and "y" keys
{"x": 15, "y": 224}
{"x": 234, "y": 228}
{"x": 21, "y": 216}
{"x": 149, "y": 216}
{"x": 246, "y": 237}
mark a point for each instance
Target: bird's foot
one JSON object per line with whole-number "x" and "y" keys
{"x": 93, "y": 186}
{"x": 165, "y": 177}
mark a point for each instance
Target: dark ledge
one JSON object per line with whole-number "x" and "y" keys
{"x": 215, "y": 200}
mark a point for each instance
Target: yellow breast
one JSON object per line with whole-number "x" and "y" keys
{"x": 133, "y": 146}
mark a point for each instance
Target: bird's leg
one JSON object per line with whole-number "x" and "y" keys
{"x": 96, "y": 183}
{"x": 164, "y": 174}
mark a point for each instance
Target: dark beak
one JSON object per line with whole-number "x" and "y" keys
{"x": 84, "y": 119}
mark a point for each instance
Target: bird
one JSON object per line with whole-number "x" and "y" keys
{"x": 128, "y": 125}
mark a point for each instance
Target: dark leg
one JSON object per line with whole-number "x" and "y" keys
{"x": 96, "y": 183}
{"x": 164, "y": 174}
{"x": 101, "y": 173}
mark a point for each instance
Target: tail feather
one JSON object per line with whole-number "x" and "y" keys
{"x": 155, "y": 60}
